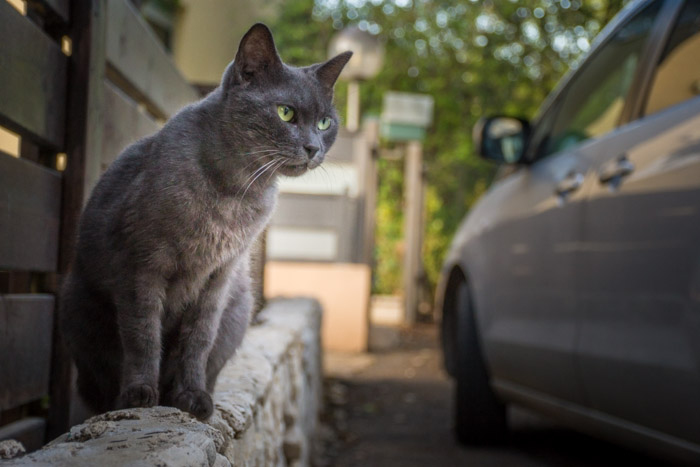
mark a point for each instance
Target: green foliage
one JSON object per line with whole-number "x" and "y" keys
{"x": 389, "y": 215}
{"x": 169, "y": 6}
{"x": 475, "y": 58}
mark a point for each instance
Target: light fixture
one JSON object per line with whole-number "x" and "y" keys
{"x": 366, "y": 62}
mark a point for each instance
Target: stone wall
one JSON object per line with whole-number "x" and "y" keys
{"x": 267, "y": 401}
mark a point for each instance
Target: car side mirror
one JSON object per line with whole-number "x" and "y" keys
{"x": 502, "y": 139}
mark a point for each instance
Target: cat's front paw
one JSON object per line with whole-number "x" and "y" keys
{"x": 138, "y": 395}
{"x": 196, "y": 402}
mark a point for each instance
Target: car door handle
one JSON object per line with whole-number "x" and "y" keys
{"x": 571, "y": 183}
{"x": 616, "y": 170}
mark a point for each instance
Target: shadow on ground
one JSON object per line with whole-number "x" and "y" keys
{"x": 395, "y": 409}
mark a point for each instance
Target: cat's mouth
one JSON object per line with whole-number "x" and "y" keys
{"x": 293, "y": 168}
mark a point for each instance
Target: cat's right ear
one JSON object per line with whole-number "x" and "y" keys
{"x": 256, "y": 56}
{"x": 328, "y": 72}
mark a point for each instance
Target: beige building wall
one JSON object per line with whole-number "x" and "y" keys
{"x": 343, "y": 289}
{"x": 207, "y": 33}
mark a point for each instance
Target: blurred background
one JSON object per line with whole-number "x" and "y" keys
{"x": 470, "y": 58}
{"x": 368, "y": 233}
{"x": 384, "y": 234}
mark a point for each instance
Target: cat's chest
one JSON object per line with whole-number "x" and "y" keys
{"x": 228, "y": 229}
{"x": 215, "y": 243}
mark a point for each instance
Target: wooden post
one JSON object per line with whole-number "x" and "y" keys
{"x": 353, "y": 121}
{"x": 86, "y": 73}
{"x": 368, "y": 169}
{"x": 413, "y": 198}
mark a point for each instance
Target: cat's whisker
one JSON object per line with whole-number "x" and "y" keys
{"x": 332, "y": 176}
{"x": 272, "y": 172}
{"x": 260, "y": 170}
{"x": 328, "y": 178}
{"x": 254, "y": 161}
{"x": 254, "y": 176}
{"x": 266, "y": 167}
{"x": 278, "y": 167}
{"x": 251, "y": 163}
{"x": 251, "y": 153}
{"x": 267, "y": 150}
{"x": 276, "y": 164}
{"x": 261, "y": 154}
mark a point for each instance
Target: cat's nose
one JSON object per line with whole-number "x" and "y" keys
{"x": 311, "y": 150}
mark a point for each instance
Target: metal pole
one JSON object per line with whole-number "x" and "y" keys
{"x": 412, "y": 227}
{"x": 353, "y": 119}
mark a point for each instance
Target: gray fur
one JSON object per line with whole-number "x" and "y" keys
{"x": 158, "y": 297}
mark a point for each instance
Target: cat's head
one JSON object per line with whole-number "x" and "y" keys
{"x": 282, "y": 117}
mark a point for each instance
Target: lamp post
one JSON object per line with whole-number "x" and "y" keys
{"x": 367, "y": 60}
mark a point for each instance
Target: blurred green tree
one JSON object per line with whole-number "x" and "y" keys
{"x": 475, "y": 58}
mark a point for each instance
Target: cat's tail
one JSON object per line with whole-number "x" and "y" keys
{"x": 89, "y": 330}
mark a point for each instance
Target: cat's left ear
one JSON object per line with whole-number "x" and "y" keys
{"x": 327, "y": 72}
{"x": 256, "y": 55}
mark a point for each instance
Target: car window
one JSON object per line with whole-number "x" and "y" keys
{"x": 595, "y": 98}
{"x": 678, "y": 72}
{"x": 541, "y": 132}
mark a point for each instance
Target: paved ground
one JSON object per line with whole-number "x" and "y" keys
{"x": 394, "y": 409}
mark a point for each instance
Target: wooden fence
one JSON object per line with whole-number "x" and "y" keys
{"x": 79, "y": 80}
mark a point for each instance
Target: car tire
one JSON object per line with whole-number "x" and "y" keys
{"x": 480, "y": 417}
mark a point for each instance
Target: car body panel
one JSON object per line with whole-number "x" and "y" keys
{"x": 525, "y": 307}
{"x": 546, "y": 273}
{"x": 638, "y": 263}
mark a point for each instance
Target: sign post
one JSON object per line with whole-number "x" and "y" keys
{"x": 405, "y": 117}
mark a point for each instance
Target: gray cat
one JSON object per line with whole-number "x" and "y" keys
{"x": 158, "y": 297}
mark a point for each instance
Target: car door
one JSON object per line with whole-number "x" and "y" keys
{"x": 639, "y": 281}
{"x": 523, "y": 295}
{"x": 533, "y": 280}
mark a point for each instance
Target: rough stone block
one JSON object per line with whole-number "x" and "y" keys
{"x": 267, "y": 400}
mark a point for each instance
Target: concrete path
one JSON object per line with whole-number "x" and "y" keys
{"x": 394, "y": 409}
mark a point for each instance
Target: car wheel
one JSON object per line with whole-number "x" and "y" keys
{"x": 480, "y": 415}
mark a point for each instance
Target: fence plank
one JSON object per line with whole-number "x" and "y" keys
{"x": 30, "y": 204}
{"x": 53, "y": 10}
{"x": 123, "y": 124}
{"x": 346, "y": 146}
{"x": 28, "y": 431}
{"x": 137, "y": 55}
{"x": 313, "y": 211}
{"x": 338, "y": 213}
{"x": 32, "y": 80}
{"x": 25, "y": 348}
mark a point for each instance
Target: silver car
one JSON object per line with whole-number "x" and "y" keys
{"x": 573, "y": 286}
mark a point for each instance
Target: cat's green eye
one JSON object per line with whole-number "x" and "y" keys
{"x": 324, "y": 123}
{"x": 285, "y": 112}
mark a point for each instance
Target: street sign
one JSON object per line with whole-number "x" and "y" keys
{"x": 407, "y": 109}
{"x": 405, "y": 116}
{"x": 400, "y": 132}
